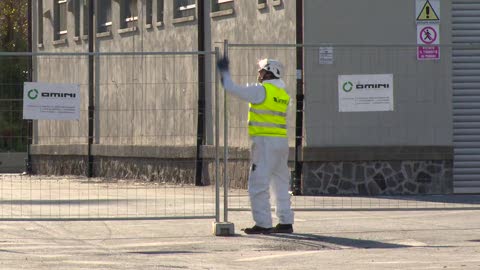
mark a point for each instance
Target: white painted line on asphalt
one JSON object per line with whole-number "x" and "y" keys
{"x": 81, "y": 248}
{"x": 278, "y": 256}
{"x": 52, "y": 256}
{"x": 96, "y": 263}
{"x": 408, "y": 242}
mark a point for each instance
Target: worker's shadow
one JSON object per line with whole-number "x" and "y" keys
{"x": 321, "y": 240}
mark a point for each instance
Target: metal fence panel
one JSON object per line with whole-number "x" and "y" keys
{"x": 420, "y": 117}
{"x": 144, "y": 143}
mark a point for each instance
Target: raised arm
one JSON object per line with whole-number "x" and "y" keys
{"x": 253, "y": 94}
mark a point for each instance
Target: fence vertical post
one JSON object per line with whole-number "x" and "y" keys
{"x": 224, "y": 228}
{"x": 217, "y": 141}
{"x": 91, "y": 82}
{"x": 225, "y": 146}
{"x": 31, "y": 38}
{"x": 201, "y": 96}
{"x": 296, "y": 182}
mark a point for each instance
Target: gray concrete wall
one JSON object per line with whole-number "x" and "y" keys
{"x": 422, "y": 89}
{"x": 140, "y": 100}
{"x": 148, "y": 100}
{"x": 62, "y": 69}
{"x": 152, "y": 100}
{"x": 251, "y": 24}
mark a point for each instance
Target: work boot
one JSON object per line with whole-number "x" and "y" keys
{"x": 257, "y": 230}
{"x": 283, "y": 228}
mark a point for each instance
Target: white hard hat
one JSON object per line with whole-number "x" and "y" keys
{"x": 271, "y": 65}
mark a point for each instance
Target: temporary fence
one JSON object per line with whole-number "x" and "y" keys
{"x": 419, "y": 116}
{"x": 142, "y": 153}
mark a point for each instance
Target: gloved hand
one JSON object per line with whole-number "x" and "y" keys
{"x": 223, "y": 64}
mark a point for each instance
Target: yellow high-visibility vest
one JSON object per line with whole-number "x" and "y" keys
{"x": 269, "y": 118}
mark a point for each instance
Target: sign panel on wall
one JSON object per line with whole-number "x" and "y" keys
{"x": 427, "y": 11}
{"x": 427, "y": 14}
{"x": 428, "y": 36}
{"x": 365, "y": 93}
{"x": 325, "y": 55}
{"x": 44, "y": 101}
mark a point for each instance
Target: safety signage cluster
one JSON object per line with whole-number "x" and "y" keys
{"x": 427, "y": 14}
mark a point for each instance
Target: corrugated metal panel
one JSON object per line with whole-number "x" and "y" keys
{"x": 466, "y": 96}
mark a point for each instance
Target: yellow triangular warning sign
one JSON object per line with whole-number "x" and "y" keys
{"x": 428, "y": 13}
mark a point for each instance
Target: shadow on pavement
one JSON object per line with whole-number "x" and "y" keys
{"x": 339, "y": 241}
{"x": 164, "y": 252}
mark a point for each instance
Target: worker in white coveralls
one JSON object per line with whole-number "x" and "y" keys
{"x": 267, "y": 127}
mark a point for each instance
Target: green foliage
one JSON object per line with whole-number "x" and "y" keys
{"x": 13, "y": 73}
{"x": 13, "y": 25}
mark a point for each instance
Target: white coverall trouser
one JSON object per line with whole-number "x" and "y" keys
{"x": 269, "y": 169}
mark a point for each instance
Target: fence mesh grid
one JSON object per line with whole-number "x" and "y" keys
{"x": 71, "y": 197}
{"x": 145, "y": 110}
{"x": 327, "y": 127}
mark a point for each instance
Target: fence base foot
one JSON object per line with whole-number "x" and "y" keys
{"x": 223, "y": 229}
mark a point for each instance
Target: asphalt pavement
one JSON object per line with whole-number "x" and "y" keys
{"x": 435, "y": 239}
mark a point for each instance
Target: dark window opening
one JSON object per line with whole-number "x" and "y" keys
{"x": 160, "y": 8}
{"x": 128, "y": 13}
{"x": 219, "y": 5}
{"x": 104, "y": 16}
{"x": 184, "y": 8}
{"x": 60, "y": 19}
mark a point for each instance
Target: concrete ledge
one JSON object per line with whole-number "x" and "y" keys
{"x": 127, "y": 30}
{"x": 262, "y": 6}
{"x": 103, "y": 34}
{"x": 377, "y": 153}
{"x": 184, "y": 19}
{"x": 276, "y": 2}
{"x": 142, "y": 151}
{"x": 309, "y": 153}
{"x": 235, "y": 153}
{"x": 58, "y": 42}
{"x": 208, "y": 151}
{"x": 57, "y": 150}
{"x": 221, "y": 13}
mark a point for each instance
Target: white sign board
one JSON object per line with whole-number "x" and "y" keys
{"x": 365, "y": 93}
{"x": 44, "y": 101}
{"x": 325, "y": 55}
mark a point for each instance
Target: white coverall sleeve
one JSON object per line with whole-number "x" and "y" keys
{"x": 254, "y": 94}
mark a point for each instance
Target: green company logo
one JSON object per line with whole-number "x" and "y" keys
{"x": 32, "y": 94}
{"x": 347, "y": 87}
